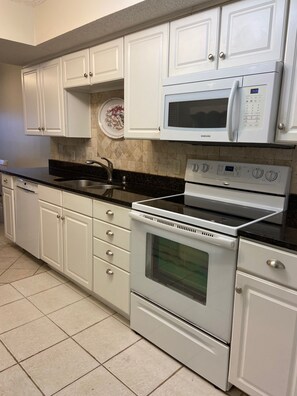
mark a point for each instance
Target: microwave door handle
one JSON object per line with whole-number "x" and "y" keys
{"x": 229, "y": 125}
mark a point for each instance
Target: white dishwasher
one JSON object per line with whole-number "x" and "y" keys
{"x": 27, "y": 216}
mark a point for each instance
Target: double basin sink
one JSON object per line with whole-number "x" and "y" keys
{"x": 87, "y": 184}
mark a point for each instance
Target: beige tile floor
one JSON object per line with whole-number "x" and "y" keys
{"x": 55, "y": 339}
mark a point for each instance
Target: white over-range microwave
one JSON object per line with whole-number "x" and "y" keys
{"x": 232, "y": 105}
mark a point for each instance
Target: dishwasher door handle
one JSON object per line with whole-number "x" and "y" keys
{"x": 26, "y": 190}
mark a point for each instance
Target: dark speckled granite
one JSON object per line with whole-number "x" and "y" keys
{"x": 138, "y": 186}
{"x": 282, "y": 235}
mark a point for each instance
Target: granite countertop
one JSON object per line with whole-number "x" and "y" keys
{"x": 282, "y": 233}
{"x": 139, "y": 186}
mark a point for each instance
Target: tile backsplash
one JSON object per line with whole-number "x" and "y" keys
{"x": 159, "y": 157}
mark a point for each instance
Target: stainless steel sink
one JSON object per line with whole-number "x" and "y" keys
{"x": 86, "y": 184}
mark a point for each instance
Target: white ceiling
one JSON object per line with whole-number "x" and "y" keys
{"x": 137, "y": 17}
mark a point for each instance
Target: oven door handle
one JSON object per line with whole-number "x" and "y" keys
{"x": 229, "y": 123}
{"x": 189, "y": 231}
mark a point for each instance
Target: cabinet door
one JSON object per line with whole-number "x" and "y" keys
{"x": 252, "y": 31}
{"x": 31, "y": 101}
{"x": 194, "y": 43}
{"x": 112, "y": 284}
{"x": 9, "y": 213}
{"x": 106, "y": 61}
{"x": 287, "y": 118}
{"x": 77, "y": 232}
{"x": 146, "y": 64}
{"x": 51, "y": 235}
{"x": 52, "y": 98}
{"x": 263, "y": 345}
{"x": 76, "y": 69}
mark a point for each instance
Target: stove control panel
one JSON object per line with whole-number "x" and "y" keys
{"x": 244, "y": 176}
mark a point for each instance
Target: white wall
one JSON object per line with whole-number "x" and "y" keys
{"x": 17, "y": 22}
{"x": 20, "y": 150}
{"x": 34, "y": 25}
{"x": 55, "y": 17}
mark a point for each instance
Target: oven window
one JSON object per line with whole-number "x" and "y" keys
{"x": 177, "y": 266}
{"x": 206, "y": 113}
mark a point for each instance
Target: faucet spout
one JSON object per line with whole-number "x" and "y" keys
{"x": 108, "y": 167}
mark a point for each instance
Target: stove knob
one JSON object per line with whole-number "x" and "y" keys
{"x": 195, "y": 168}
{"x": 258, "y": 173}
{"x": 205, "y": 168}
{"x": 271, "y": 175}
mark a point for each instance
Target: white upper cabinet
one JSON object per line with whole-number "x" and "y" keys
{"x": 98, "y": 64}
{"x": 43, "y": 99}
{"x": 240, "y": 33}
{"x": 252, "y": 31}
{"x": 49, "y": 110}
{"x": 287, "y": 118}
{"x": 146, "y": 64}
{"x": 194, "y": 43}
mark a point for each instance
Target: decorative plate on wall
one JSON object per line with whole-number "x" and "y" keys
{"x": 111, "y": 118}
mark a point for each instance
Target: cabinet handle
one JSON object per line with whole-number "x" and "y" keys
{"x": 276, "y": 264}
{"x": 39, "y": 128}
{"x": 58, "y": 216}
{"x": 281, "y": 126}
{"x": 109, "y": 253}
{"x": 238, "y": 290}
{"x": 62, "y": 218}
{"x": 211, "y": 57}
{"x": 109, "y": 233}
{"x": 109, "y": 271}
{"x": 91, "y": 74}
{"x": 222, "y": 55}
{"x": 43, "y": 129}
{"x": 5, "y": 181}
{"x": 109, "y": 212}
{"x": 85, "y": 75}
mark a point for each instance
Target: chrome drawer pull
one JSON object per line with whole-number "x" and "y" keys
{"x": 275, "y": 264}
{"x": 109, "y": 233}
{"x": 109, "y": 212}
{"x": 109, "y": 271}
{"x": 109, "y": 253}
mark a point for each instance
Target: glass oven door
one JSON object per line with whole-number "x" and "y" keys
{"x": 186, "y": 270}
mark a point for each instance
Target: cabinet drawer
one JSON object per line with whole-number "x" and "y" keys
{"x": 77, "y": 203}
{"x": 253, "y": 258}
{"x": 112, "y": 234}
{"x": 112, "y": 284}
{"x": 7, "y": 180}
{"x": 113, "y": 214}
{"x": 112, "y": 254}
{"x": 51, "y": 195}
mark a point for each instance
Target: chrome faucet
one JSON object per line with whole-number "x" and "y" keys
{"x": 108, "y": 167}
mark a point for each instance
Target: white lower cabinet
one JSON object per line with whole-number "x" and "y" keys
{"x": 263, "y": 346}
{"x": 8, "y": 207}
{"x": 66, "y": 233}
{"x": 111, "y": 244}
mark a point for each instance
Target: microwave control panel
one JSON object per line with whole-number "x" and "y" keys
{"x": 253, "y": 105}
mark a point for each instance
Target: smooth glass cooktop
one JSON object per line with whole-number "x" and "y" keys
{"x": 210, "y": 210}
